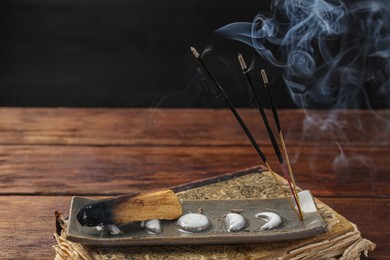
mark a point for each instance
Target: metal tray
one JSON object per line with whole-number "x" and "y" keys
{"x": 133, "y": 233}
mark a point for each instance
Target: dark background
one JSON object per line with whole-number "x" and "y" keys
{"x": 121, "y": 53}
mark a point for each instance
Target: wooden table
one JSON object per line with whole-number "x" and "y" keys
{"x": 48, "y": 155}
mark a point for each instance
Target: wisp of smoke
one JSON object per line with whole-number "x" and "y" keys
{"x": 333, "y": 55}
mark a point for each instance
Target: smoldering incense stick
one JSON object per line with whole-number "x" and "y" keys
{"x": 230, "y": 105}
{"x": 233, "y": 110}
{"x": 281, "y": 138}
{"x": 256, "y": 96}
{"x": 270, "y": 100}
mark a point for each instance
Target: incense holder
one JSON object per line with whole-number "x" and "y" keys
{"x": 218, "y": 230}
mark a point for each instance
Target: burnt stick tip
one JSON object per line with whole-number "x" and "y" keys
{"x": 195, "y": 52}
{"x": 242, "y": 62}
{"x": 264, "y": 76}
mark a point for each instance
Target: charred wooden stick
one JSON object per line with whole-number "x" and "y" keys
{"x": 127, "y": 208}
{"x": 281, "y": 138}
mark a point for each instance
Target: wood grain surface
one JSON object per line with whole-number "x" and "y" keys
{"x": 188, "y": 127}
{"x": 49, "y": 155}
{"x": 110, "y": 170}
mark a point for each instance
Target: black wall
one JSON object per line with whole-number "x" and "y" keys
{"x": 135, "y": 53}
{"x": 117, "y": 53}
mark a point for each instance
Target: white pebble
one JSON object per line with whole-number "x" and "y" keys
{"x": 193, "y": 222}
{"x": 273, "y": 220}
{"x": 100, "y": 228}
{"x": 235, "y": 222}
{"x": 153, "y": 226}
{"x": 112, "y": 229}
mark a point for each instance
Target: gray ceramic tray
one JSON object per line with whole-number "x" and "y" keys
{"x": 133, "y": 233}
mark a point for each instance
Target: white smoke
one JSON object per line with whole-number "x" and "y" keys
{"x": 332, "y": 55}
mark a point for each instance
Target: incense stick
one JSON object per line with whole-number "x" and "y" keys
{"x": 256, "y": 97}
{"x": 230, "y": 105}
{"x": 239, "y": 119}
{"x": 281, "y": 138}
{"x": 235, "y": 113}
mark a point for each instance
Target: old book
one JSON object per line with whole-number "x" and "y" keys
{"x": 342, "y": 240}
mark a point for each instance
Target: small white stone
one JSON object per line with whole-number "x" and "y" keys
{"x": 99, "y": 228}
{"x": 273, "y": 220}
{"x": 112, "y": 229}
{"x": 153, "y": 226}
{"x": 235, "y": 222}
{"x": 193, "y": 222}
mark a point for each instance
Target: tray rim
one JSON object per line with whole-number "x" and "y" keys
{"x": 231, "y": 238}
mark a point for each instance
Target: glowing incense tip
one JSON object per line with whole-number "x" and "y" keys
{"x": 242, "y": 62}
{"x": 195, "y": 52}
{"x": 264, "y": 76}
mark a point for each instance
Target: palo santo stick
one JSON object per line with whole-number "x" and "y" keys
{"x": 127, "y": 208}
